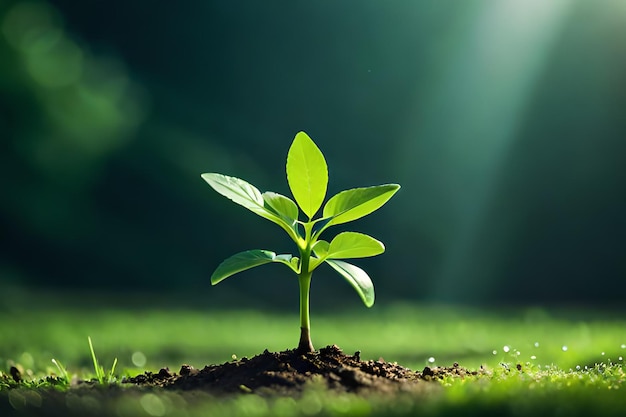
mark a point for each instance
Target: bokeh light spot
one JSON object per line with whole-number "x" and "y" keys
{"x": 138, "y": 359}
{"x": 152, "y": 404}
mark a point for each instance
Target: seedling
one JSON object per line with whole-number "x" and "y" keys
{"x": 101, "y": 375}
{"x": 307, "y": 175}
{"x": 62, "y": 370}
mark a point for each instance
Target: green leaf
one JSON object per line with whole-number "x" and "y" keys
{"x": 307, "y": 174}
{"x": 246, "y": 260}
{"x": 236, "y": 189}
{"x": 248, "y": 196}
{"x": 357, "y": 277}
{"x": 281, "y": 206}
{"x": 320, "y": 249}
{"x": 354, "y": 245}
{"x": 355, "y": 203}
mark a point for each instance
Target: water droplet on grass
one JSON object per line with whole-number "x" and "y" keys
{"x": 623, "y": 346}
{"x": 431, "y": 360}
{"x": 495, "y": 352}
{"x": 533, "y": 357}
{"x": 564, "y": 348}
{"x": 536, "y": 344}
{"x": 506, "y": 349}
{"x": 602, "y": 353}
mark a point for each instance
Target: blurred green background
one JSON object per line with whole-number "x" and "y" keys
{"x": 504, "y": 122}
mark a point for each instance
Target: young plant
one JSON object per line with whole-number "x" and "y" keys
{"x": 307, "y": 175}
{"x": 101, "y": 375}
{"x": 63, "y": 374}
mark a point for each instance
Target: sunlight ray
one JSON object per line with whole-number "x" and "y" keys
{"x": 468, "y": 121}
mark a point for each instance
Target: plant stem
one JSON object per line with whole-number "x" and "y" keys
{"x": 305, "y": 345}
{"x": 304, "y": 281}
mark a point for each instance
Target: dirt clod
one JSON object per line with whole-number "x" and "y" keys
{"x": 289, "y": 372}
{"x": 15, "y": 374}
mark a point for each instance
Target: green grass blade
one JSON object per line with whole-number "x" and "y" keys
{"x": 111, "y": 378}
{"x": 62, "y": 370}
{"x": 96, "y": 366}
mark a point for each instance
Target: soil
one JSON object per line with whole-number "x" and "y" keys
{"x": 290, "y": 372}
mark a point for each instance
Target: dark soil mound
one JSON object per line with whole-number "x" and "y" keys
{"x": 289, "y": 372}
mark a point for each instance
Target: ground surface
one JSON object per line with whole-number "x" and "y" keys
{"x": 289, "y": 372}
{"x": 531, "y": 361}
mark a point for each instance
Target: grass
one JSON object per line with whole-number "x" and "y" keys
{"x": 571, "y": 361}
